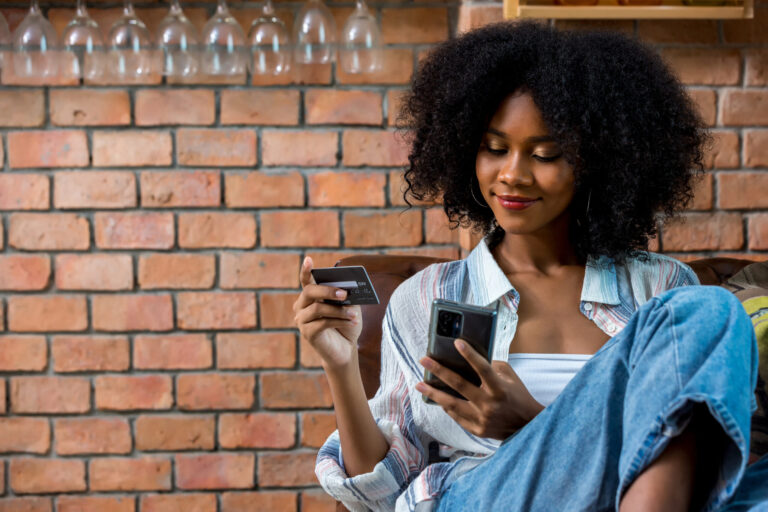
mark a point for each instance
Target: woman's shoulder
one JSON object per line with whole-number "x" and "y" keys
{"x": 427, "y": 284}
{"x": 656, "y": 273}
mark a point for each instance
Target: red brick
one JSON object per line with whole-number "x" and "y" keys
{"x": 132, "y": 312}
{"x": 318, "y": 501}
{"x": 3, "y": 397}
{"x": 41, "y": 395}
{"x": 374, "y": 148}
{"x": 90, "y": 353}
{"x": 703, "y": 231}
{"x": 216, "y": 310}
{"x": 304, "y": 148}
{"x": 258, "y": 430}
{"x": 294, "y": 390}
{"x": 333, "y": 106}
{"x": 450, "y": 253}
{"x": 156, "y": 107}
{"x": 316, "y": 427}
{"x": 217, "y": 229}
{"x": 724, "y": 154}
{"x": 758, "y": 232}
{"x": 138, "y": 148}
{"x": 179, "y": 503}
{"x": 397, "y": 186}
{"x": 215, "y": 391}
{"x": 22, "y": 272}
{"x": 96, "y": 504}
{"x": 172, "y": 352}
{"x": 25, "y": 504}
{"x": 287, "y": 469}
{"x": 263, "y": 190}
{"x": 747, "y": 30}
{"x": 744, "y": 107}
{"x": 22, "y": 353}
{"x": 133, "y": 392}
{"x": 414, "y": 25}
{"x": 273, "y": 501}
{"x": 175, "y": 433}
{"x": 159, "y": 270}
{"x": 213, "y": 148}
{"x": 702, "y": 193}
{"x": 34, "y": 476}
{"x": 300, "y": 229}
{"x": 706, "y": 104}
{"x": 24, "y": 191}
{"x": 309, "y": 357}
{"x": 373, "y": 229}
{"x": 240, "y": 350}
{"x": 90, "y": 107}
{"x": 330, "y": 258}
{"x": 48, "y": 232}
{"x": 22, "y": 108}
{"x": 259, "y": 270}
{"x": 134, "y": 230}
{"x": 94, "y": 272}
{"x": 258, "y": 107}
{"x": 24, "y": 435}
{"x": 678, "y": 31}
{"x": 36, "y": 313}
{"x": 215, "y": 471}
{"x": 124, "y": 474}
{"x": 437, "y": 227}
{"x": 756, "y": 148}
{"x": 277, "y": 310}
{"x": 94, "y": 189}
{"x": 173, "y": 189}
{"x": 395, "y": 100}
{"x": 92, "y": 435}
{"x": 59, "y": 148}
{"x": 475, "y": 16}
{"x": 333, "y": 188}
{"x": 757, "y": 67}
{"x": 742, "y": 190}
{"x": 624, "y": 26}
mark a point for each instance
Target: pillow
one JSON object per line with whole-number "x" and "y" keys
{"x": 750, "y": 285}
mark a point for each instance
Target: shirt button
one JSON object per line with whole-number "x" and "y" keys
{"x": 588, "y": 306}
{"x": 611, "y": 328}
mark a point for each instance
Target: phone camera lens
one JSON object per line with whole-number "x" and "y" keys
{"x": 448, "y": 324}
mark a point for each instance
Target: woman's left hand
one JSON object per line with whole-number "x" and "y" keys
{"x": 500, "y": 406}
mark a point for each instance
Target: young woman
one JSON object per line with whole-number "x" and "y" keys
{"x": 613, "y": 384}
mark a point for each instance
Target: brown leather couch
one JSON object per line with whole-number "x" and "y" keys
{"x": 387, "y": 272}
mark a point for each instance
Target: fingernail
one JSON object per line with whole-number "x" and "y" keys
{"x": 351, "y": 313}
{"x": 428, "y": 363}
{"x": 306, "y": 261}
{"x": 420, "y": 387}
{"x": 460, "y": 345}
{"x": 341, "y": 294}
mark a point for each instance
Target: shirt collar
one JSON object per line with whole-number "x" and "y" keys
{"x": 488, "y": 282}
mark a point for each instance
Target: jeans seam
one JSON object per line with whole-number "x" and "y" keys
{"x": 671, "y": 312}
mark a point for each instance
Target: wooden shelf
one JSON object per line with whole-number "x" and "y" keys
{"x": 520, "y": 9}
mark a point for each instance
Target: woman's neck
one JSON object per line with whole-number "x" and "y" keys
{"x": 541, "y": 252}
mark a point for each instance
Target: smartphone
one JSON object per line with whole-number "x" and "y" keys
{"x": 450, "y": 320}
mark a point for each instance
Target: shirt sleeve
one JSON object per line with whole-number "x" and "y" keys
{"x": 407, "y": 456}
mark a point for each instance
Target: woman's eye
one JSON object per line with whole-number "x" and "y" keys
{"x": 494, "y": 150}
{"x": 541, "y": 158}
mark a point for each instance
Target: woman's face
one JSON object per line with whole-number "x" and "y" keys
{"x": 522, "y": 173}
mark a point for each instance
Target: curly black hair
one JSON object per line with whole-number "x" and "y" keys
{"x": 622, "y": 119}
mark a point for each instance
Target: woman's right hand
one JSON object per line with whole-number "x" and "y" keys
{"x": 331, "y": 330}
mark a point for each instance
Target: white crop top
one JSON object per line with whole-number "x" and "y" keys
{"x": 546, "y": 375}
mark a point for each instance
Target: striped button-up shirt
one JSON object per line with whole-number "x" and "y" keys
{"x": 405, "y": 480}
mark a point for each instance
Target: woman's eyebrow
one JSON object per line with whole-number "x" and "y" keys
{"x": 534, "y": 138}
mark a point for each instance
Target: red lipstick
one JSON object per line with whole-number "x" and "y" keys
{"x": 515, "y": 202}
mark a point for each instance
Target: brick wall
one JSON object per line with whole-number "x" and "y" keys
{"x": 152, "y": 236}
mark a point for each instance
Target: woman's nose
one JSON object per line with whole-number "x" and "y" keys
{"x": 515, "y": 170}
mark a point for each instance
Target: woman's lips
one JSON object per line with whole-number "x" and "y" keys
{"x": 515, "y": 203}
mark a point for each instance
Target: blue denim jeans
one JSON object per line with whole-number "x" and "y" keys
{"x": 688, "y": 345}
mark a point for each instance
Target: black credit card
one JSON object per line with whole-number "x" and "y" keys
{"x": 353, "y": 279}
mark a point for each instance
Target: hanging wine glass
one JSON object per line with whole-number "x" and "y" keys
{"x": 84, "y": 55}
{"x": 224, "y": 51}
{"x": 314, "y": 33}
{"x": 360, "y": 49}
{"x": 270, "y": 43}
{"x": 179, "y": 42}
{"x": 130, "y": 47}
{"x": 5, "y": 41}
{"x": 35, "y": 46}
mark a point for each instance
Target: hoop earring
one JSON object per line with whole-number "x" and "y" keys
{"x": 472, "y": 191}
{"x": 586, "y": 212}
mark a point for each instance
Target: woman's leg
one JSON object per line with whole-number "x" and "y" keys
{"x": 687, "y": 346}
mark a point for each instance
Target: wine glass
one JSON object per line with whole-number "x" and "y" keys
{"x": 84, "y": 55}
{"x": 35, "y": 46}
{"x": 224, "y": 51}
{"x": 270, "y": 43}
{"x": 130, "y": 47}
{"x": 314, "y": 33}
{"x": 179, "y": 42}
{"x": 360, "y": 50}
{"x": 5, "y": 40}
